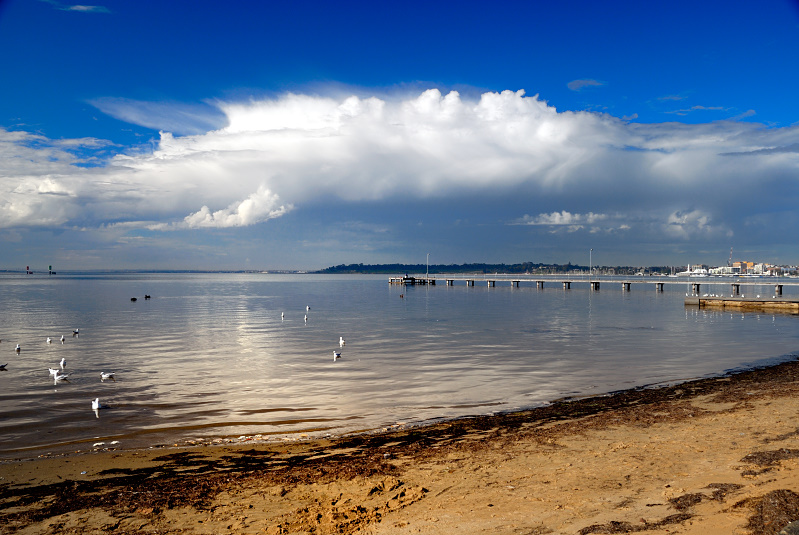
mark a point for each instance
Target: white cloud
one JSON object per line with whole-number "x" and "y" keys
{"x": 77, "y": 7}
{"x": 88, "y": 9}
{"x": 578, "y": 85}
{"x": 564, "y": 221}
{"x": 561, "y": 218}
{"x": 686, "y": 111}
{"x": 174, "y": 117}
{"x": 686, "y": 224}
{"x": 261, "y": 206}
{"x": 260, "y": 158}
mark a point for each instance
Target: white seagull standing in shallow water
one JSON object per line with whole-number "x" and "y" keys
{"x": 107, "y": 375}
{"x": 17, "y": 349}
{"x": 49, "y": 341}
{"x": 306, "y": 318}
{"x": 63, "y": 363}
{"x": 307, "y": 308}
{"x": 336, "y": 355}
{"x": 341, "y": 341}
{"x": 54, "y": 371}
{"x": 75, "y": 332}
{"x": 62, "y": 338}
{"x": 282, "y": 315}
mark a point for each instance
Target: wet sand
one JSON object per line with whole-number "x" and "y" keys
{"x": 710, "y": 456}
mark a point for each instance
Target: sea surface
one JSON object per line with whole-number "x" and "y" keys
{"x": 209, "y": 356}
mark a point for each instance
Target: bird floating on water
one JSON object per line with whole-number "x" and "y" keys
{"x": 3, "y": 366}
{"x": 49, "y": 341}
{"x": 307, "y": 308}
{"x": 62, "y": 338}
{"x": 17, "y": 349}
{"x": 282, "y": 315}
{"x": 306, "y": 318}
{"x": 54, "y": 371}
{"x": 96, "y": 405}
{"x": 63, "y": 363}
{"x": 336, "y": 355}
{"x": 60, "y": 377}
{"x": 341, "y": 341}
{"x": 75, "y": 332}
{"x": 107, "y": 375}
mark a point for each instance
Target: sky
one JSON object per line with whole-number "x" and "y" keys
{"x": 300, "y": 135}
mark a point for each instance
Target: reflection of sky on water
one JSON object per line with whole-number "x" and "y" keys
{"x": 209, "y": 355}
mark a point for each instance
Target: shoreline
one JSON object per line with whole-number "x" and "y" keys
{"x": 694, "y": 457}
{"x": 67, "y": 449}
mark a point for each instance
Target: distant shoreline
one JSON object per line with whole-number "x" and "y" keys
{"x": 381, "y": 269}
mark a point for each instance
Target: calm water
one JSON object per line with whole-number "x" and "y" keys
{"x": 209, "y": 355}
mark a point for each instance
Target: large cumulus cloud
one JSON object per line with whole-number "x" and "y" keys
{"x": 268, "y": 157}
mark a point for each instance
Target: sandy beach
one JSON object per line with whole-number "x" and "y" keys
{"x": 709, "y": 456}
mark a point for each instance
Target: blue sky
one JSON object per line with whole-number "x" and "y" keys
{"x": 298, "y": 135}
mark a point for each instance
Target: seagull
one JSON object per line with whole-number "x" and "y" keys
{"x": 96, "y": 405}
{"x": 49, "y": 341}
{"x": 54, "y": 371}
{"x": 107, "y": 375}
{"x": 307, "y": 308}
{"x": 336, "y": 355}
{"x": 17, "y": 349}
{"x": 282, "y": 315}
{"x": 341, "y": 341}
{"x": 306, "y": 318}
{"x": 62, "y": 338}
{"x": 63, "y": 363}
{"x": 75, "y": 332}
{"x": 59, "y": 377}
{"x": 3, "y": 366}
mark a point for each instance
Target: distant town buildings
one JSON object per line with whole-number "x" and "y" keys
{"x": 752, "y": 268}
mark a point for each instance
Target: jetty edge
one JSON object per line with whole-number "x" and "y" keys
{"x": 746, "y": 304}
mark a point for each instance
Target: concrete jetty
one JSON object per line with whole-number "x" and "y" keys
{"x": 594, "y": 282}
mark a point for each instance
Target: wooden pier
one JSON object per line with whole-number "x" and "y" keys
{"x": 746, "y": 304}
